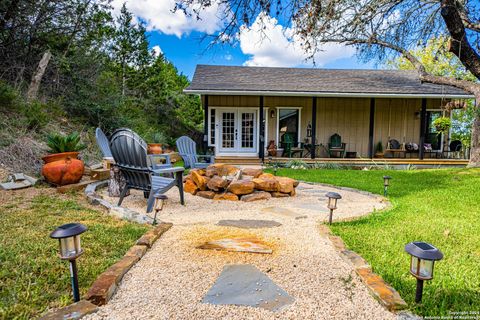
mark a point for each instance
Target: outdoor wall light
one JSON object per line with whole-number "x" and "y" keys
{"x": 332, "y": 203}
{"x": 68, "y": 236}
{"x": 272, "y": 114}
{"x": 386, "y": 183}
{"x": 423, "y": 256}
{"x": 160, "y": 200}
{"x": 309, "y": 130}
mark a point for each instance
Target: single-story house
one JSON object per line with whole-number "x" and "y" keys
{"x": 249, "y": 108}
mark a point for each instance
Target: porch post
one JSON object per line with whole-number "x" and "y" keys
{"x": 205, "y": 124}
{"x": 261, "y": 135}
{"x": 423, "y": 128}
{"x": 371, "y": 128}
{"x": 314, "y": 125}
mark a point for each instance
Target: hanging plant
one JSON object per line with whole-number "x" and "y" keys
{"x": 442, "y": 124}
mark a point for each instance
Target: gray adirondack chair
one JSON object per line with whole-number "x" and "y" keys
{"x": 187, "y": 148}
{"x": 103, "y": 143}
{"x": 130, "y": 154}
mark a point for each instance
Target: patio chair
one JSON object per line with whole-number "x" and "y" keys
{"x": 393, "y": 146}
{"x": 336, "y": 146}
{"x": 130, "y": 154}
{"x": 455, "y": 148}
{"x": 187, "y": 148}
{"x": 103, "y": 143}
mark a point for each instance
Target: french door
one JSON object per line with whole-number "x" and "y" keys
{"x": 237, "y": 131}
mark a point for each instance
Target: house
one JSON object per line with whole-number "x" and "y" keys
{"x": 247, "y": 107}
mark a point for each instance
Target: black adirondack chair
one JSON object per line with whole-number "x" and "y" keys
{"x": 130, "y": 154}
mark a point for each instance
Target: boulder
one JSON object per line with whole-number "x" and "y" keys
{"x": 217, "y": 183}
{"x": 252, "y": 172}
{"x": 213, "y": 169}
{"x": 190, "y": 187}
{"x": 199, "y": 180}
{"x": 240, "y": 187}
{"x": 266, "y": 176}
{"x": 279, "y": 194}
{"x": 293, "y": 193}
{"x": 226, "y": 196}
{"x": 206, "y": 194}
{"x": 285, "y": 184}
{"x": 257, "y": 195}
{"x": 266, "y": 184}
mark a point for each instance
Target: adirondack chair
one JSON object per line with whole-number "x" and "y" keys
{"x": 103, "y": 143}
{"x": 287, "y": 143}
{"x": 187, "y": 149}
{"x": 335, "y": 145}
{"x": 130, "y": 154}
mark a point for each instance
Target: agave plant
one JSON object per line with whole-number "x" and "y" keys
{"x": 59, "y": 143}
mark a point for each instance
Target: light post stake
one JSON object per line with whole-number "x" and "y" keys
{"x": 332, "y": 203}
{"x": 386, "y": 183}
{"x": 74, "y": 280}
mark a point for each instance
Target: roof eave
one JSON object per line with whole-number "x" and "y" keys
{"x": 325, "y": 94}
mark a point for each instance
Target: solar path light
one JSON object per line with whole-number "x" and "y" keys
{"x": 332, "y": 203}
{"x": 68, "y": 236}
{"x": 423, "y": 256}
{"x": 386, "y": 183}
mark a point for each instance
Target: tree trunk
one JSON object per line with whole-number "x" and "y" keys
{"x": 116, "y": 183}
{"x": 475, "y": 146}
{"x": 37, "y": 77}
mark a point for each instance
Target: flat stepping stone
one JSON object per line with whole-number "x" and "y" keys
{"x": 245, "y": 285}
{"x": 249, "y": 224}
{"x": 284, "y": 212}
{"x": 319, "y": 191}
{"x": 312, "y": 206}
{"x": 251, "y": 245}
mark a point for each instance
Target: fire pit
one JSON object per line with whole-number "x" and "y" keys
{"x": 226, "y": 182}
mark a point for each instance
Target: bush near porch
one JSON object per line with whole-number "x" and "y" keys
{"x": 436, "y": 206}
{"x": 32, "y": 277}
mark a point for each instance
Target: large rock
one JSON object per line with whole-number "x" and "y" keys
{"x": 240, "y": 187}
{"x": 206, "y": 194}
{"x": 279, "y": 194}
{"x": 213, "y": 169}
{"x": 217, "y": 183}
{"x": 220, "y": 169}
{"x": 285, "y": 184}
{"x": 190, "y": 187}
{"x": 226, "y": 196}
{"x": 266, "y": 184}
{"x": 252, "y": 172}
{"x": 199, "y": 180}
{"x": 266, "y": 176}
{"x": 258, "y": 195}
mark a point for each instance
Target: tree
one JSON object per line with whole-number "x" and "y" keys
{"x": 377, "y": 28}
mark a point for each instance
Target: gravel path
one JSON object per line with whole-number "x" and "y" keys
{"x": 170, "y": 281}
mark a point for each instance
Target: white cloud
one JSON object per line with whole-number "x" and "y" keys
{"x": 158, "y": 16}
{"x": 157, "y": 51}
{"x": 228, "y": 57}
{"x": 270, "y": 44}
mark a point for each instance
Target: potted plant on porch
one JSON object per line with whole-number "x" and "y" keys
{"x": 62, "y": 165}
{"x": 379, "y": 150}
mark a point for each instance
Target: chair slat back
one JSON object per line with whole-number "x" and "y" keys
{"x": 187, "y": 148}
{"x": 103, "y": 143}
{"x": 336, "y": 141}
{"x": 130, "y": 154}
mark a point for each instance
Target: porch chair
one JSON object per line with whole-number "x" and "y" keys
{"x": 455, "y": 148}
{"x": 187, "y": 148}
{"x": 336, "y": 146}
{"x": 393, "y": 146}
{"x": 130, "y": 154}
{"x": 103, "y": 143}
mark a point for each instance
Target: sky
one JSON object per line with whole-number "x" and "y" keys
{"x": 179, "y": 38}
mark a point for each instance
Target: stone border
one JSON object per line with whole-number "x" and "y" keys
{"x": 104, "y": 287}
{"x": 378, "y": 288}
{"x": 123, "y": 213}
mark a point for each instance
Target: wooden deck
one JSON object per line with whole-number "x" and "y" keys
{"x": 350, "y": 162}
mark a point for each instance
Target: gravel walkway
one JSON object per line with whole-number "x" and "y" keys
{"x": 170, "y": 281}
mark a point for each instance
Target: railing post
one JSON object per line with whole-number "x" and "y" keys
{"x": 261, "y": 136}
{"x": 423, "y": 128}
{"x": 371, "y": 128}
{"x": 314, "y": 126}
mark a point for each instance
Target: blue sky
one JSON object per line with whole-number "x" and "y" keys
{"x": 178, "y": 37}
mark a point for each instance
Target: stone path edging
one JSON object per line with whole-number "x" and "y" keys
{"x": 378, "y": 288}
{"x": 104, "y": 287}
{"x": 121, "y": 212}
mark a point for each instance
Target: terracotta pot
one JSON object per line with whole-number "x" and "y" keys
{"x": 63, "y": 168}
{"x": 154, "y": 148}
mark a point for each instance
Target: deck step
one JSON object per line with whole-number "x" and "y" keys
{"x": 238, "y": 160}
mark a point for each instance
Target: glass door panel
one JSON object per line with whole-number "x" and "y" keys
{"x": 228, "y": 131}
{"x": 247, "y": 129}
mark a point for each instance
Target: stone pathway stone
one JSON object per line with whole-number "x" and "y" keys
{"x": 245, "y": 285}
{"x": 249, "y": 224}
{"x": 283, "y": 212}
{"x": 251, "y": 245}
{"x": 317, "y": 207}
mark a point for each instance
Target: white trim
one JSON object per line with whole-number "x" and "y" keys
{"x": 266, "y": 115}
{"x": 327, "y": 94}
{"x": 209, "y": 127}
{"x": 299, "y": 123}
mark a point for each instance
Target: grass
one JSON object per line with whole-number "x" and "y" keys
{"x": 32, "y": 277}
{"x": 436, "y": 206}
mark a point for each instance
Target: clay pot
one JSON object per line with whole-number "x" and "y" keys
{"x": 63, "y": 168}
{"x": 154, "y": 148}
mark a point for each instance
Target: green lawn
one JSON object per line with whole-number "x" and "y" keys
{"x": 437, "y": 206}
{"x": 32, "y": 277}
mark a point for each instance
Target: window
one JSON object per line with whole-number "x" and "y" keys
{"x": 288, "y": 124}
{"x": 212, "y": 127}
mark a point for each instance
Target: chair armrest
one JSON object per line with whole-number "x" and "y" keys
{"x": 168, "y": 170}
{"x": 206, "y": 156}
{"x": 164, "y": 156}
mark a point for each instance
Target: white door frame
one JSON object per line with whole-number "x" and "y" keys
{"x": 236, "y": 151}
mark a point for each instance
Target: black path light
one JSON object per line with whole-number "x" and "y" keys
{"x": 423, "y": 256}
{"x": 160, "y": 200}
{"x": 386, "y": 183}
{"x": 68, "y": 236}
{"x": 332, "y": 203}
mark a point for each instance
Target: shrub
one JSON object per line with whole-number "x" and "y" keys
{"x": 60, "y": 143}
{"x": 35, "y": 115}
{"x": 297, "y": 164}
{"x": 8, "y": 95}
